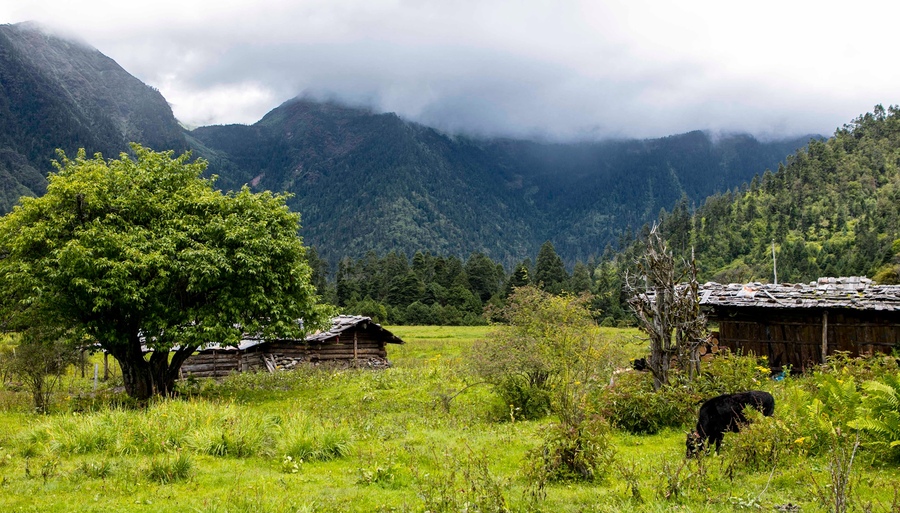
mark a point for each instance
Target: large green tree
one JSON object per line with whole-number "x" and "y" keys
{"x": 549, "y": 270}
{"x": 145, "y": 257}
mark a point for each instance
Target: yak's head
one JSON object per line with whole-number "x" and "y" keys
{"x": 694, "y": 444}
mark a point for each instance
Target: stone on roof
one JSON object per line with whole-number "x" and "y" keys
{"x": 342, "y": 323}
{"x": 851, "y": 292}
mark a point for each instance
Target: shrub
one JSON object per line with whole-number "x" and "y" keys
{"x": 761, "y": 444}
{"x": 549, "y": 356}
{"x": 832, "y": 407}
{"x": 880, "y": 415}
{"x": 572, "y": 453}
{"x": 860, "y": 368}
{"x": 729, "y": 373}
{"x": 631, "y": 404}
{"x": 40, "y": 361}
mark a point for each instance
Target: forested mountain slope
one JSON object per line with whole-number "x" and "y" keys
{"x": 367, "y": 181}
{"x": 832, "y": 210}
{"x": 59, "y": 93}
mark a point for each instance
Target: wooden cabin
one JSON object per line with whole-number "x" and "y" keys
{"x": 801, "y": 324}
{"x": 352, "y": 341}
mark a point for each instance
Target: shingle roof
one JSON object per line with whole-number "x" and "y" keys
{"x": 339, "y": 324}
{"x": 853, "y": 292}
{"x": 342, "y": 323}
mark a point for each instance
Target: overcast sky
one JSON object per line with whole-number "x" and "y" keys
{"x": 559, "y": 69}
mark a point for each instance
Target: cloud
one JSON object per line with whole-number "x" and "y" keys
{"x": 556, "y": 69}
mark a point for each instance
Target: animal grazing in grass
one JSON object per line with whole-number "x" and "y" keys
{"x": 724, "y": 414}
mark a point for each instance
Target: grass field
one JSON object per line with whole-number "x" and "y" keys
{"x": 420, "y": 436}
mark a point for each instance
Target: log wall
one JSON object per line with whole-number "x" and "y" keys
{"x": 352, "y": 347}
{"x": 801, "y": 338}
{"x": 212, "y": 364}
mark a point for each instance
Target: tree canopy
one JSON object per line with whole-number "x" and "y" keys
{"x": 832, "y": 210}
{"x": 142, "y": 253}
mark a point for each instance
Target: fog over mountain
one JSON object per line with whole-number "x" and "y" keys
{"x": 564, "y": 70}
{"x": 365, "y": 180}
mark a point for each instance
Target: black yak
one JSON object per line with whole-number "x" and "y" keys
{"x": 723, "y": 414}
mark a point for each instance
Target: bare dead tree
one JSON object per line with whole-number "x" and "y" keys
{"x": 668, "y": 310}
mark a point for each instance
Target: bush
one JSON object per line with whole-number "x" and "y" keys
{"x": 832, "y": 406}
{"x": 572, "y": 453}
{"x": 39, "y": 361}
{"x": 880, "y": 415}
{"x": 860, "y": 368}
{"x": 548, "y": 358}
{"x": 631, "y": 404}
{"x": 761, "y": 444}
{"x": 527, "y": 398}
{"x": 729, "y": 373}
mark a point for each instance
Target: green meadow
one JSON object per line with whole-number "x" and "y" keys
{"x": 426, "y": 435}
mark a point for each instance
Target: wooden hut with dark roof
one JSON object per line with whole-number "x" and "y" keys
{"x": 352, "y": 341}
{"x": 801, "y": 324}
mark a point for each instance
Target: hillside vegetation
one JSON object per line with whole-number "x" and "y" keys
{"x": 374, "y": 182}
{"x": 56, "y": 93}
{"x": 832, "y": 210}
{"x": 366, "y": 181}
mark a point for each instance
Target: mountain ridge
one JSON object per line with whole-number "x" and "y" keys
{"x": 363, "y": 180}
{"x": 60, "y": 94}
{"x": 582, "y": 196}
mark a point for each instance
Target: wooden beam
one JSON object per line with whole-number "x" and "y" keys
{"x": 824, "y": 335}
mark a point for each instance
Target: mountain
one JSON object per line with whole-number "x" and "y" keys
{"x": 60, "y": 93}
{"x": 369, "y": 181}
{"x": 832, "y": 210}
{"x": 366, "y": 181}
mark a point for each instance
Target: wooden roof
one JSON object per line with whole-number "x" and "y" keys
{"x": 343, "y": 323}
{"x": 854, "y": 293}
{"x": 339, "y": 324}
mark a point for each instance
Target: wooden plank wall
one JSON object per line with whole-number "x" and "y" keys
{"x": 221, "y": 363}
{"x": 212, "y": 364}
{"x": 795, "y": 338}
{"x": 342, "y": 349}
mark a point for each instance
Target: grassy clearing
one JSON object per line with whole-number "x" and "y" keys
{"x": 410, "y": 438}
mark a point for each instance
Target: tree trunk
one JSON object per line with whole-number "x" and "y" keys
{"x": 135, "y": 374}
{"x": 37, "y": 393}
{"x": 165, "y": 370}
{"x": 145, "y": 377}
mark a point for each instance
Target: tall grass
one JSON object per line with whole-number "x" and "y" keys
{"x": 393, "y": 440}
{"x": 203, "y": 427}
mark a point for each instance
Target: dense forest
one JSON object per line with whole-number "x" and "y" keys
{"x": 414, "y": 225}
{"x": 363, "y": 180}
{"x": 832, "y": 210}
{"x": 366, "y": 181}
{"x": 61, "y": 94}
{"x": 437, "y": 290}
